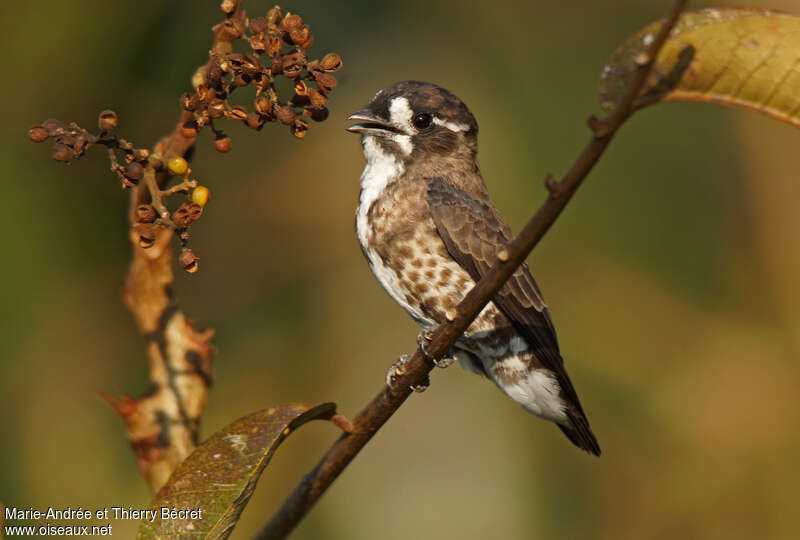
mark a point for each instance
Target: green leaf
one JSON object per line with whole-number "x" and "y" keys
{"x": 747, "y": 58}
{"x": 219, "y": 477}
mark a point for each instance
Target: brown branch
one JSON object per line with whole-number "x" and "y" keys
{"x": 416, "y": 370}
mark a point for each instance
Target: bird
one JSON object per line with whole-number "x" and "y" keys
{"x": 429, "y": 231}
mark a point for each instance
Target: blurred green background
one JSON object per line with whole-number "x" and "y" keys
{"x": 673, "y": 279}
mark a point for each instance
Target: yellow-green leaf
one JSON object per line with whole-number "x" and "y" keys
{"x": 221, "y": 474}
{"x": 746, "y": 58}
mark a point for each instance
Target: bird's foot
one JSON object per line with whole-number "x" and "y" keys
{"x": 398, "y": 368}
{"x": 424, "y": 340}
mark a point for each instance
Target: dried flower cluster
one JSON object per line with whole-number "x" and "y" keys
{"x": 133, "y": 165}
{"x": 226, "y": 71}
{"x": 213, "y": 85}
{"x": 72, "y": 141}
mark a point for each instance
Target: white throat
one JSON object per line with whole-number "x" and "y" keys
{"x": 380, "y": 169}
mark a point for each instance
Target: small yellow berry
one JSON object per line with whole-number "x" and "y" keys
{"x": 177, "y": 165}
{"x": 200, "y": 195}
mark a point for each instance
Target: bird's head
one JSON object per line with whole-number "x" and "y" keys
{"x": 417, "y": 120}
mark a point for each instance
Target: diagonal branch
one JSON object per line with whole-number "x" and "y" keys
{"x": 416, "y": 370}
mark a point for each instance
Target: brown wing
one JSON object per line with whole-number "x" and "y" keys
{"x": 473, "y": 232}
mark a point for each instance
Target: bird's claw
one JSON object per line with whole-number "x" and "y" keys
{"x": 398, "y": 368}
{"x": 423, "y": 340}
{"x": 422, "y": 387}
{"x": 444, "y": 362}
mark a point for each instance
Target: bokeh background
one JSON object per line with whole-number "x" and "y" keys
{"x": 673, "y": 279}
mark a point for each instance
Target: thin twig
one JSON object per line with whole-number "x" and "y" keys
{"x": 416, "y": 370}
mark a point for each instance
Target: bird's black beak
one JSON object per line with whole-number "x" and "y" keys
{"x": 369, "y": 123}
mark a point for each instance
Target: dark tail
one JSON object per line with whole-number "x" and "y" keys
{"x": 580, "y": 433}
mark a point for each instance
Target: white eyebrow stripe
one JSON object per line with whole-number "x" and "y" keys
{"x": 452, "y": 126}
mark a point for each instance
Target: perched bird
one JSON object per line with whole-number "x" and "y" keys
{"x": 429, "y": 232}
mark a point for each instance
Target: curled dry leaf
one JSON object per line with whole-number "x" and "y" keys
{"x": 220, "y": 475}
{"x": 743, "y": 58}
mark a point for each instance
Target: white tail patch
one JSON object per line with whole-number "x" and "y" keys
{"x": 538, "y": 394}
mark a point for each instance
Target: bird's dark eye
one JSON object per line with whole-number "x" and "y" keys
{"x": 422, "y": 121}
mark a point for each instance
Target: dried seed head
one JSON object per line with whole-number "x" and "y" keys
{"x": 291, "y": 22}
{"x": 190, "y": 101}
{"x": 200, "y": 195}
{"x": 214, "y": 73}
{"x": 223, "y": 144}
{"x": 147, "y": 234}
{"x": 262, "y": 105}
{"x": 240, "y": 79}
{"x": 62, "y": 152}
{"x": 300, "y": 128}
{"x": 274, "y": 47}
{"x": 107, "y": 120}
{"x": 331, "y": 62}
{"x": 285, "y": 115}
{"x": 141, "y": 154}
{"x": 254, "y": 121}
{"x": 307, "y": 43}
{"x": 292, "y": 71}
{"x": 238, "y": 28}
{"x": 325, "y": 81}
{"x": 80, "y": 145}
{"x": 317, "y": 98}
{"x": 300, "y": 36}
{"x": 186, "y": 214}
{"x": 238, "y": 113}
{"x": 319, "y": 114}
{"x": 274, "y": 16}
{"x": 145, "y": 213}
{"x": 134, "y": 172}
{"x": 299, "y": 100}
{"x": 207, "y": 94}
{"x": 293, "y": 64}
{"x": 216, "y": 109}
{"x": 257, "y": 45}
{"x": 189, "y": 129}
{"x": 180, "y": 218}
{"x": 258, "y": 25}
{"x": 228, "y": 6}
{"x": 301, "y": 88}
{"x": 38, "y": 134}
{"x": 188, "y": 260}
{"x": 276, "y": 65}
{"x": 177, "y": 165}
{"x": 69, "y": 140}
{"x": 51, "y": 124}
{"x": 195, "y": 210}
